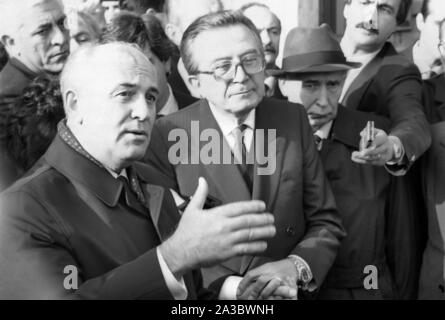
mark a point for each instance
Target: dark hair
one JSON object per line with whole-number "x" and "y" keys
{"x": 145, "y": 31}
{"x": 403, "y": 11}
{"x": 141, "y": 6}
{"x": 425, "y": 10}
{"x": 209, "y": 22}
{"x": 32, "y": 123}
{"x": 3, "y": 56}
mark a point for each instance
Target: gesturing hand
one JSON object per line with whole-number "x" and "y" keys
{"x": 379, "y": 153}
{"x": 275, "y": 280}
{"x": 208, "y": 237}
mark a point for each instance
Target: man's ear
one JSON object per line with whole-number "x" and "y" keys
{"x": 420, "y": 21}
{"x": 7, "y": 42}
{"x": 72, "y": 106}
{"x": 194, "y": 82}
{"x": 346, "y": 11}
{"x": 172, "y": 32}
{"x": 168, "y": 66}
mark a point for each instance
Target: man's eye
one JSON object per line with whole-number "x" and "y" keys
{"x": 151, "y": 99}
{"x": 42, "y": 31}
{"x": 309, "y": 86}
{"x": 82, "y": 38}
{"x": 125, "y": 94}
{"x": 223, "y": 68}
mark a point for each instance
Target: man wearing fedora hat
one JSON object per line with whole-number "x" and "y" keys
{"x": 313, "y": 60}
{"x": 388, "y": 84}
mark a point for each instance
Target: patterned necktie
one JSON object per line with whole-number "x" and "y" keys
{"x": 241, "y": 155}
{"x": 318, "y": 141}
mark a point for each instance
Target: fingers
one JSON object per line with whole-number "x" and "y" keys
{"x": 241, "y": 208}
{"x": 252, "y": 221}
{"x": 286, "y": 292}
{"x": 253, "y": 234}
{"x": 200, "y": 196}
{"x": 270, "y": 288}
{"x": 250, "y": 248}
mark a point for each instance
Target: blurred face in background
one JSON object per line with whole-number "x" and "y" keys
{"x": 269, "y": 28}
{"x": 83, "y": 29}
{"x": 432, "y": 28}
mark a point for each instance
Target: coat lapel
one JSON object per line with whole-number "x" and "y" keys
{"x": 265, "y": 187}
{"x": 360, "y": 85}
{"x": 226, "y": 177}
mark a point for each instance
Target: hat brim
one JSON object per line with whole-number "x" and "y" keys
{"x": 323, "y": 68}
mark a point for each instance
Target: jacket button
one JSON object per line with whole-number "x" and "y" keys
{"x": 290, "y": 231}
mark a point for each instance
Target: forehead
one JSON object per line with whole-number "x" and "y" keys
{"x": 112, "y": 69}
{"x": 262, "y": 17}
{"x": 226, "y": 42}
{"x": 393, "y": 3}
{"x": 40, "y": 12}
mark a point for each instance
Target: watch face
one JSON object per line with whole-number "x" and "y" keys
{"x": 305, "y": 277}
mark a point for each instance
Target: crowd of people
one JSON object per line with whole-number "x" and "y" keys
{"x": 162, "y": 153}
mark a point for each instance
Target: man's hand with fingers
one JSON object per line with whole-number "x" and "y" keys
{"x": 275, "y": 280}
{"x": 382, "y": 151}
{"x": 208, "y": 237}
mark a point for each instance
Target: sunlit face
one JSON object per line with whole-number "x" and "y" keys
{"x": 432, "y": 28}
{"x": 369, "y": 23}
{"x": 117, "y": 106}
{"x": 41, "y": 42}
{"x": 320, "y": 94}
{"x": 228, "y": 46}
{"x": 269, "y": 28}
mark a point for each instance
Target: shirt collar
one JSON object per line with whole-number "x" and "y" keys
{"x": 324, "y": 131}
{"x": 227, "y": 124}
{"x": 171, "y": 106}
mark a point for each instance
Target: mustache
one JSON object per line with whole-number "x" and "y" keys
{"x": 270, "y": 49}
{"x": 368, "y": 27}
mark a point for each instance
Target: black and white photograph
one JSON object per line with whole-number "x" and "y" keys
{"x": 240, "y": 151}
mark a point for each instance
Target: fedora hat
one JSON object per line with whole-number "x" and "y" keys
{"x": 312, "y": 50}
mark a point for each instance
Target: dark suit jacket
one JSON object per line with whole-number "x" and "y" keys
{"x": 390, "y": 86}
{"x": 13, "y": 79}
{"x": 362, "y": 198}
{"x": 183, "y": 100}
{"x": 297, "y": 193}
{"x": 432, "y": 279}
{"x": 434, "y": 99}
{"x": 70, "y": 212}
{"x": 175, "y": 80}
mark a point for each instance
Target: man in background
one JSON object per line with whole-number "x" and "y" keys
{"x": 269, "y": 28}
{"x": 425, "y": 52}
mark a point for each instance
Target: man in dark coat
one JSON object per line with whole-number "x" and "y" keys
{"x": 87, "y": 222}
{"x": 361, "y": 191}
{"x": 389, "y": 85}
{"x": 36, "y": 41}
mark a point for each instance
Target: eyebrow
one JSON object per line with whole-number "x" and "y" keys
{"x": 386, "y": 6}
{"x": 230, "y": 58}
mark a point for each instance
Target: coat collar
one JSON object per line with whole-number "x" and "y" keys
{"x": 14, "y": 77}
{"x": 356, "y": 91}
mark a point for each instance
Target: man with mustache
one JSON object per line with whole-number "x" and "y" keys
{"x": 269, "y": 28}
{"x": 389, "y": 85}
{"x": 35, "y": 38}
{"x": 223, "y": 54}
{"x": 89, "y": 221}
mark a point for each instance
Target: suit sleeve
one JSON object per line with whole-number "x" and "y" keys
{"x": 404, "y": 102}
{"x": 35, "y": 252}
{"x": 324, "y": 229}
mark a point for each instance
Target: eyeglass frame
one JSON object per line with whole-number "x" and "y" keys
{"x": 219, "y": 78}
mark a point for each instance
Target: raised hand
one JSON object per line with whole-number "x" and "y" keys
{"x": 208, "y": 237}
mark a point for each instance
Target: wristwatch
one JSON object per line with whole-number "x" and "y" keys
{"x": 304, "y": 274}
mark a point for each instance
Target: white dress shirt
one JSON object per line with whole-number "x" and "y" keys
{"x": 176, "y": 286}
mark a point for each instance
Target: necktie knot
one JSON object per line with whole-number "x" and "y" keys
{"x": 318, "y": 141}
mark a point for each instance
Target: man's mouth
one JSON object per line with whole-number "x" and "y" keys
{"x": 140, "y": 133}
{"x": 63, "y": 54}
{"x": 241, "y": 93}
{"x": 368, "y": 27}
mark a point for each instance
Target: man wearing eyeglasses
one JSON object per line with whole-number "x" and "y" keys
{"x": 224, "y": 56}
{"x": 424, "y": 52}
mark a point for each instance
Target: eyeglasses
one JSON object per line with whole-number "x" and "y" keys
{"x": 251, "y": 64}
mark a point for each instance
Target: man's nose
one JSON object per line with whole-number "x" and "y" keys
{"x": 323, "y": 100}
{"x": 60, "y": 36}
{"x": 265, "y": 38}
{"x": 240, "y": 74}
{"x": 141, "y": 110}
{"x": 372, "y": 15}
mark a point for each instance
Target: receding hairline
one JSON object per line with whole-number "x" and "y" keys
{"x": 259, "y": 6}
{"x": 90, "y": 56}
